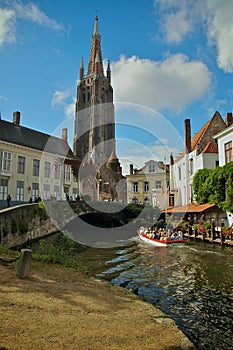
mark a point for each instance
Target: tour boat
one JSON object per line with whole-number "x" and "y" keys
{"x": 167, "y": 241}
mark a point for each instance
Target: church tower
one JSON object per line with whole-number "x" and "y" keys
{"x": 94, "y": 119}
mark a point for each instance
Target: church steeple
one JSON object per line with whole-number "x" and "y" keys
{"x": 95, "y": 52}
{"x": 94, "y": 129}
{"x": 109, "y": 72}
{"x": 81, "y": 69}
{"x": 94, "y": 125}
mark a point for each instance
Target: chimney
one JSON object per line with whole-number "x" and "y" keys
{"x": 229, "y": 119}
{"x": 171, "y": 159}
{"x": 64, "y": 134}
{"x": 16, "y": 118}
{"x": 131, "y": 169}
{"x": 187, "y": 135}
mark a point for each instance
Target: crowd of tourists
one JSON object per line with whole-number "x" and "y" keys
{"x": 161, "y": 233}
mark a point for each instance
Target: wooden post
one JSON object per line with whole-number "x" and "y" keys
{"x": 189, "y": 230}
{"x": 212, "y": 230}
{"x": 24, "y": 263}
{"x": 221, "y": 233}
{"x": 195, "y": 233}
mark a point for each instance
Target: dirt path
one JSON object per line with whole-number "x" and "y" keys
{"x": 59, "y": 308}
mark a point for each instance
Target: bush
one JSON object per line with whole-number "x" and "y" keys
{"x": 63, "y": 252}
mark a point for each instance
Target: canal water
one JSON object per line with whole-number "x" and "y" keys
{"x": 192, "y": 284}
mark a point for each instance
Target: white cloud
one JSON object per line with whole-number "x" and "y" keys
{"x": 176, "y": 26}
{"x": 17, "y": 10}
{"x": 220, "y": 31}
{"x": 7, "y": 26}
{"x": 59, "y": 98}
{"x": 70, "y": 110}
{"x": 171, "y": 84}
{"x": 31, "y": 12}
{"x": 214, "y": 18}
{"x": 177, "y": 18}
{"x": 59, "y": 101}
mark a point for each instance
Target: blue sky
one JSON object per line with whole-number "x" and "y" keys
{"x": 170, "y": 60}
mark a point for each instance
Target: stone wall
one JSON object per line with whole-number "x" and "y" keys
{"x": 22, "y": 223}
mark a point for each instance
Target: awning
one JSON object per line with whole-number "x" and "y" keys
{"x": 190, "y": 208}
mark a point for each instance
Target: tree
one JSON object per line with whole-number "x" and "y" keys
{"x": 215, "y": 186}
{"x": 201, "y": 185}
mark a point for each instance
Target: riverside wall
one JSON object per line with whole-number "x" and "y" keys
{"x": 25, "y": 222}
{"x": 22, "y": 223}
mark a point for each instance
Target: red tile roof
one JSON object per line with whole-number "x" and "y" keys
{"x": 190, "y": 208}
{"x": 211, "y": 147}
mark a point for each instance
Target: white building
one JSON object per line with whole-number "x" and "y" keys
{"x": 200, "y": 152}
{"x": 225, "y": 141}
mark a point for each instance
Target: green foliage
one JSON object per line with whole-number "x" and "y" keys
{"x": 217, "y": 183}
{"x": 215, "y": 186}
{"x": 64, "y": 252}
{"x": 201, "y": 185}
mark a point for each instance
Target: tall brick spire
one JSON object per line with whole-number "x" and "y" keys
{"x": 95, "y": 51}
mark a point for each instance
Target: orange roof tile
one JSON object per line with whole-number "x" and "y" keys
{"x": 199, "y": 135}
{"x": 190, "y": 208}
{"x": 211, "y": 147}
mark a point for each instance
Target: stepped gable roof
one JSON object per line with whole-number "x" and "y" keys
{"x": 22, "y": 136}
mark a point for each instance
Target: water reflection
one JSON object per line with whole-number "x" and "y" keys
{"x": 192, "y": 284}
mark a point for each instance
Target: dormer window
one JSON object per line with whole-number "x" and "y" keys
{"x": 151, "y": 168}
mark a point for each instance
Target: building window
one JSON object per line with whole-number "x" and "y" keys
{"x": 171, "y": 200}
{"x": 158, "y": 184}
{"x": 3, "y": 189}
{"x": 228, "y": 152}
{"x": 47, "y": 169}
{"x": 146, "y": 200}
{"x": 46, "y": 191}
{"x": 135, "y": 186}
{"x": 5, "y": 161}
{"x": 36, "y": 167}
{"x": 67, "y": 172}
{"x": 146, "y": 186}
{"x": 179, "y": 173}
{"x": 57, "y": 192}
{"x": 75, "y": 193}
{"x": 191, "y": 166}
{"x": 57, "y": 169}
{"x": 20, "y": 190}
{"x": 21, "y": 165}
{"x": 151, "y": 168}
{"x": 135, "y": 200}
{"x": 35, "y": 191}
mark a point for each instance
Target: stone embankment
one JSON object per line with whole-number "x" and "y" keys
{"x": 60, "y": 308}
{"x": 23, "y": 223}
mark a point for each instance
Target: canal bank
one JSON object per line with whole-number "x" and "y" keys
{"x": 61, "y": 308}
